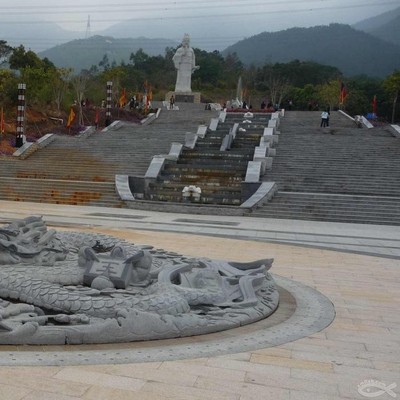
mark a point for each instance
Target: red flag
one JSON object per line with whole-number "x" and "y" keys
{"x": 2, "y": 121}
{"x": 122, "y": 99}
{"x": 70, "y": 118}
{"x": 343, "y": 93}
{"x": 374, "y": 105}
{"x": 146, "y": 95}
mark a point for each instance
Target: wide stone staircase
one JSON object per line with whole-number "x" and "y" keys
{"x": 341, "y": 173}
{"x": 218, "y": 173}
{"x": 81, "y": 170}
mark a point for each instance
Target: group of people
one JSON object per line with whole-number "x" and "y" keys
{"x": 325, "y": 118}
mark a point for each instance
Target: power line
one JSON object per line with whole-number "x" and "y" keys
{"x": 148, "y": 3}
{"x": 201, "y": 5}
{"x": 164, "y": 4}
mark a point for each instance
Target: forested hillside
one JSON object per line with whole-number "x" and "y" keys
{"x": 384, "y": 26}
{"x": 352, "y": 51}
{"x": 84, "y": 53}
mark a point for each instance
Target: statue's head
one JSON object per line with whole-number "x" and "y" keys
{"x": 186, "y": 40}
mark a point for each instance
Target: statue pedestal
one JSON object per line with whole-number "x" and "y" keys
{"x": 184, "y": 97}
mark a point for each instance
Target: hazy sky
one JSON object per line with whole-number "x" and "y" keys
{"x": 241, "y": 18}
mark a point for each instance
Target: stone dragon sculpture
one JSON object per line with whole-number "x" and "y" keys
{"x": 71, "y": 287}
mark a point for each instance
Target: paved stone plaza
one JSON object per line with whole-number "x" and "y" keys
{"x": 355, "y": 266}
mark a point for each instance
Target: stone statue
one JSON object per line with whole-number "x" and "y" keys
{"x": 238, "y": 102}
{"x": 73, "y": 288}
{"x": 184, "y": 61}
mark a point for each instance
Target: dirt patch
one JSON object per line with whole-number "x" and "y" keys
{"x": 39, "y": 123}
{"x": 75, "y": 198}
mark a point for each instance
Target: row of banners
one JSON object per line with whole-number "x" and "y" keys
{"x": 144, "y": 98}
{"x": 147, "y": 97}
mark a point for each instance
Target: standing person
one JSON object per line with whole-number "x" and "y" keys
{"x": 324, "y": 119}
{"x": 171, "y": 102}
{"x": 328, "y": 110}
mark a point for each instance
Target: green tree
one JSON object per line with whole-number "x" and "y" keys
{"x": 300, "y": 73}
{"x": 273, "y": 82}
{"x": 139, "y": 58}
{"x": 118, "y": 77}
{"x": 8, "y": 87}
{"x": 20, "y": 59}
{"x": 357, "y": 102}
{"x": 59, "y": 80}
{"x": 79, "y": 84}
{"x": 329, "y": 94}
{"x": 5, "y": 51}
{"x": 38, "y": 87}
{"x": 303, "y": 97}
{"x": 211, "y": 68}
{"x": 104, "y": 63}
{"x": 392, "y": 86}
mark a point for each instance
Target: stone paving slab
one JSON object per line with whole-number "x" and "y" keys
{"x": 375, "y": 240}
{"x": 361, "y": 344}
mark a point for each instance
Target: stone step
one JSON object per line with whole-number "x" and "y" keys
{"x": 208, "y": 145}
{"x": 56, "y": 183}
{"x": 343, "y": 182}
{"x": 386, "y": 190}
{"x": 361, "y": 219}
{"x": 342, "y": 208}
{"x": 178, "y": 198}
{"x": 250, "y": 133}
{"x": 208, "y": 187}
{"x": 233, "y": 119}
{"x": 225, "y": 169}
{"x": 216, "y": 155}
{"x": 215, "y": 162}
{"x": 330, "y": 175}
{"x": 193, "y": 178}
{"x": 240, "y": 142}
{"x": 319, "y": 157}
{"x": 249, "y": 147}
{"x": 57, "y": 197}
{"x": 325, "y": 198}
{"x": 60, "y": 192}
{"x": 350, "y": 207}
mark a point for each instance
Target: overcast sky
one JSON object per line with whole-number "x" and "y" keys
{"x": 241, "y": 18}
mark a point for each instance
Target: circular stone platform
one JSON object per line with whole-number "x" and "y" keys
{"x": 88, "y": 298}
{"x": 302, "y": 311}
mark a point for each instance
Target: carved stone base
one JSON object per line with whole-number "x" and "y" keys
{"x": 77, "y": 287}
{"x": 184, "y": 97}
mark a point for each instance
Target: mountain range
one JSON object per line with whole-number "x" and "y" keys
{"x": 84, "y": 53}
{"x": 370, "y": 47}
{"x": 385, "y": 26}
{"x": 352, "y": 51}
